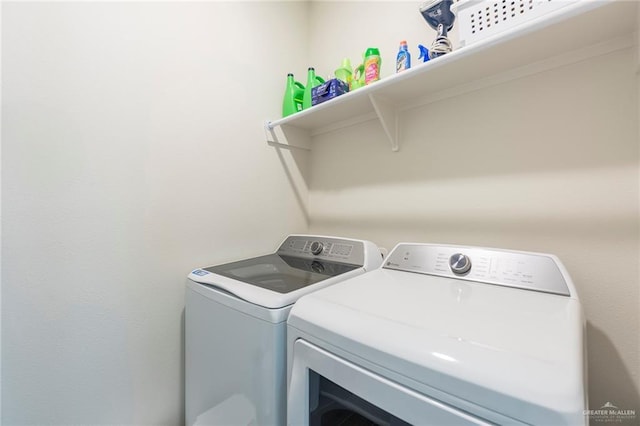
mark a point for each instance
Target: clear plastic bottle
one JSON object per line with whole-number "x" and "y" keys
{"x": 403, "y": 60}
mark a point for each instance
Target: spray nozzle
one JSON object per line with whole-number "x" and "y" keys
{"x": 424, "y": 53}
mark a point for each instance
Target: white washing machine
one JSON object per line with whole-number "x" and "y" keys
{"x": 441, "y": 335}
{"x": 235, "y": 326}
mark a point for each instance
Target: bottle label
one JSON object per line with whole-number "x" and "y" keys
{"x": 371, "y": 70}
{"x": 401, "y": 63}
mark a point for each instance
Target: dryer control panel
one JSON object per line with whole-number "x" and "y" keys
{"x": 529, "y": 271}
{"x": 326, "y": 248}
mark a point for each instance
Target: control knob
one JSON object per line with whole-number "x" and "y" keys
{"x": 317, "y": 247}
{"x": 459, "y": 263}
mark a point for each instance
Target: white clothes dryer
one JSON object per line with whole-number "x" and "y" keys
{"x": 235, "y": 326}
{"x": 441, "y": 335}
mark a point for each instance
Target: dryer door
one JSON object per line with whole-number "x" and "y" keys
{"x": 328, "y": 390}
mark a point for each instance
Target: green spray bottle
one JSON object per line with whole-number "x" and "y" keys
{"x": 312, "y": 81}
{"x": 292, "y": 101}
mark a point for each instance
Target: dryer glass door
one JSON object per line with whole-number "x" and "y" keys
{"x": 325, "y": 389}
{"x": 331, "y": 404}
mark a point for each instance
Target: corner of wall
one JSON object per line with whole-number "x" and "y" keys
{"x": 638, "y": 121}
{"x": 0, "y": 227}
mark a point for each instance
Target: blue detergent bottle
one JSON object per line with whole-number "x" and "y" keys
{"x": 403, "y": 60}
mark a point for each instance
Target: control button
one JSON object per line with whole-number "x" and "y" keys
{"x": 459, "y": 263}
{"x": 317, "y": 247}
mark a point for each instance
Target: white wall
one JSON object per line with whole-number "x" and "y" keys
{"x": 544, "y": 163}
{"x": 132, "y": 152}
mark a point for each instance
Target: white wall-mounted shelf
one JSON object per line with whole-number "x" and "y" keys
{"x": 570, "y": 34}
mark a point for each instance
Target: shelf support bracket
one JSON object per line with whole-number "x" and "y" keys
{"x": 388, "y": 116}
{"x": 288, "y": 133}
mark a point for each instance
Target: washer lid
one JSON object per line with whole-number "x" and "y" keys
{"x": 273, "y": 281}
{"x": 280, "y": 273}
{"x": 303, "y": 263}
{"x": 513, "y": 351}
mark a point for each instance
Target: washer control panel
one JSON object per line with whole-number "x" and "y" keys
{"x": 317, "y": 247}
{"x": 529, "y": 271}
